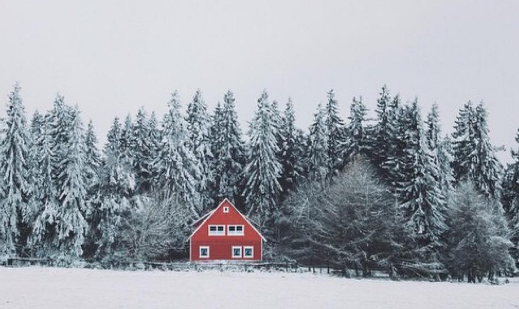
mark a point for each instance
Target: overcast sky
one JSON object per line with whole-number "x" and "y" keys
{"x": 112, "y": 57}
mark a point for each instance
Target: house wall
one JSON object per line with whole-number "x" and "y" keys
{"x": 221, "y": 246}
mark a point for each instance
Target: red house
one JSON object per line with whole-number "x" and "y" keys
{"x": 225, "y": 234}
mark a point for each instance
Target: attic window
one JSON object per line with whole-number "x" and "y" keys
{"x": 216, "y": 230}
{"x": 226, "y": 210}
{"x": 235, "y": 230}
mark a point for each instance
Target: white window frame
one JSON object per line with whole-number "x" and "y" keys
{"x": 252, "y": 251}
{"x": 236, "y": 256}
{"x": 235, "y": 233}
{"x": 226, "y": 210}
{"x": 200, "y": 252}
{"x": 217, "y": 233}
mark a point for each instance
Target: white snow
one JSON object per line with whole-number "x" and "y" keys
{"x": 45, "y": 288}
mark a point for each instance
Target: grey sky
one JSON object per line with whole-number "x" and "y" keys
{"x": 111, "y": 57}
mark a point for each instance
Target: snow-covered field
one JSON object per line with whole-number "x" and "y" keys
{"x": 80, "y": 288}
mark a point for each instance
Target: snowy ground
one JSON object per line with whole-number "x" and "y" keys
{"x": 79, "y": 288}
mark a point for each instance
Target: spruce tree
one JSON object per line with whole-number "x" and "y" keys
{"x": 356, "y": 130}
{"x": 142, "y": 151}
{"x": 71, "y": 224}
{"x": 393, "y": 164}
{"x": 262, "y": 171}
{"x": 14, "y": 170}
{"x": 474, "y": 156}
{"x": 317, "y": 158}
{"x": 176, "y": 165}
{"x": 198, "y": 125}
{"x": 44, "y": 200}
{"x": 290, "y": 150}
{"x": 336, "y": 135}
{"x": 379, "y": 136}
{"x": 423, "y": 201}
{"x": 92, "y": 158}
{"x": 229, "y": 153}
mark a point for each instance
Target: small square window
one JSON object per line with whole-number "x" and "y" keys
{"x": 248, "y": 252}
{"x": 236, "y": 252}
{"x": 226, "y": 210}
{"x": 204, "y": 252}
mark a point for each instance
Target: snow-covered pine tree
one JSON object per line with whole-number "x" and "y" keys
{"x": 92, "y": 158}
{"x": 15, "y": 179}
{"x": 176, "y": 165}
{"x": 336, "y": 136}
{"x": 127, "y": 137}
{"x": 155, "y": 138}
{"x": 44, "y": 201}
{"x": 199, "y": 127}
{"x": 317, "y": 157}
{"x": 510, "y": 197}
{"x": 229, "y": 151}
{"x": 262, "y": 189}
{"x": 394, "y": 162}
{"x": 355, "y": 131}
{"x": 290, "y": 150}
{"x": 474, "y": 156}
{"x": 378, "y": 143}
{"x": 142, "y": 151}
{"x": 71, "y": 224}
{"x": 423, "y": 201}
{"x": 440, "y": 149}
{"x": 115, "y": 201}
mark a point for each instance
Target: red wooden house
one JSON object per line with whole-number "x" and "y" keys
{"x": 225, "y": 234}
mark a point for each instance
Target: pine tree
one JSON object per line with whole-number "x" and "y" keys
{"x": 423, "y": 201}
{"x": 336, "y": 137}
{"x": 176, "y": 166}
{"x": 14, "y": 182}
{"x": 393, "y": 166}
{"x": 379, "y": 137}
{"x": 262, "y": 188}
{"x": 290, "y": 150}
{"x": 92, "y": 157}
{"x": 474, "y": 155}
{"x": 510, "y": 198}
{"x": 44, "y": 200}
{"x": 230, "y": 152}
{"x": 142, "y": 151}
{"x": 356, "y": 130}
{"x": 71, "y": 224}
{"x": 198, "y": 125}
{"x": 116, "y": 200}
{"x": 317, "y": 159}
{"x": 440, "y": 150}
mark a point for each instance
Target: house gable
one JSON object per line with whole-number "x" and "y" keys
{"x": 218, "y": 216}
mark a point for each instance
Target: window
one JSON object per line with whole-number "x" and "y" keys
{"x": 236, "y": 252}
{"x": 226, "y": 210}
{"x": 204, "y": 252}
{"x": 248, "y": 252}
{"x": 235, "y": 230}
{"x": 216, "y": 230}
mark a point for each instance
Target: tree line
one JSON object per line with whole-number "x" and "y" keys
{"x": 390, "y": 193}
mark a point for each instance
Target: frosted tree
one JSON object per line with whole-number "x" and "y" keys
{"x": 71, "y": 224}
{"x": 262, "y": 171}
{"x": 176, "y": 165}
{"x": 116, "y": 200}
{"x": 317, "y": 157}
{"x": 44, "y": 201}
{"x": 393, "y": 163}
{"x": 477, "y": 241}
{"x": 230, "y": 152}
{"x": 510, "y": 197}
{"x": 336, "y": 135}
{"x": 356, "y": 134}
{"x": 440, "y": 149}
{"x": 474, "y": 156}
{"x": 423, "y": 201}
{"x": 379, "y": 137}
{"x": 142, "y": 151}
{"x": 199, "y": 130}
{"x": 290, "y": 150}
{"x": 92, "y": 157}
{"x": 14, "y": 182}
